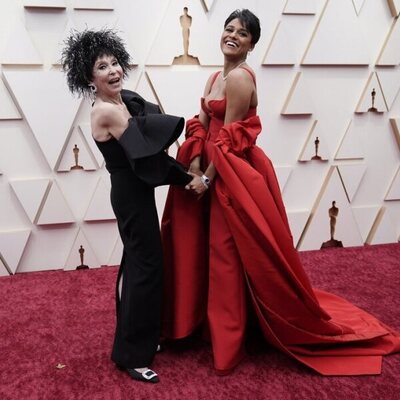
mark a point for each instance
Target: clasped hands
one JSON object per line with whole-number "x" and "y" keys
{"x": 196, "y": 185}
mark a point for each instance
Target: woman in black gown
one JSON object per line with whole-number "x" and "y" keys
{"x": 132, "y": 135}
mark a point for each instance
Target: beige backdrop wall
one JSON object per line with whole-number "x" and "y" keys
{"x": 317, "y": 63}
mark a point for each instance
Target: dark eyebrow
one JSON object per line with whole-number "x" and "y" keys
{"x": 240, "y": 30}
{"x": 98, "y": 63}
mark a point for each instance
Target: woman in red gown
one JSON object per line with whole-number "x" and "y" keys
{"x": 233, "y": 246}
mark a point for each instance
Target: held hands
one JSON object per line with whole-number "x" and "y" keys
{"x": 197, "y": 185}
{"x": 200, "y": 183}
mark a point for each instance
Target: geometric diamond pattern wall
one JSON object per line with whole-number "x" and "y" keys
{"x": 329, "y": 102}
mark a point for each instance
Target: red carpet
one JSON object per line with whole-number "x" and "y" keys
{"x": 47, "y": 318}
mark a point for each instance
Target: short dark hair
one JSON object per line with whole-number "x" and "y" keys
{"x": 81, "y": 51}
{"x": 250, "y": 22}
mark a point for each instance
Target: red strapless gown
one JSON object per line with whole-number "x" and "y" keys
{"x": 237, "y": 243}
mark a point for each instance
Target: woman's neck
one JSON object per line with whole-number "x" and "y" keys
{"x": 117, "y": 99}
{"x": 231, "y": 65}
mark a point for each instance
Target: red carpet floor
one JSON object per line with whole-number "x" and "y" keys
{"x": 51, "y": 318}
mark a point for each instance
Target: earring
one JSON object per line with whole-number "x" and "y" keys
{"x": 93, "y": 89}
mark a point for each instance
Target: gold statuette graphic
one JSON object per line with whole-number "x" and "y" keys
{"x": 76, "y": 156}
{"x": 186, "y": 21}
{"x": 81, "y": 254}
{"x": 333, "y": 214}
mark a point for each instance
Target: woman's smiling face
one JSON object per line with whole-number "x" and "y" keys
{"x": 236, "y": 40}
{"x": 107, "y": 75}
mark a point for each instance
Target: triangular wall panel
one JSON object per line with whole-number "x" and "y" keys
{"x": 201, "y": 32}
{"x": 55, "y": 209}
{"x": 146, "y": 89}
{"x": 129, "y": 46}
{"x": 102, "y": 245}
{"x": 297, "y": 222}
{"x": 8, "y": 110}
{"x": 318, "y": 227}
{"x": 383, "y": 230}
{"x": 300, "y": 7}
{"x": 394, "y": 188}
{"x": 351, "y": 176}
{"x": 280, "y": 50}
{"x": 316, "y": 147}
{"x": 208, "y": 4}
{"x": 77, "y": 147}
{"x": 351, "y": 146}
{"x": 346, "y": 45}
{"x": 389, "y": 80}
{"x": 116, "y": 255}
{"x": 74, "y": 257}
{"x": 100, "y": 206}
{"x": 60, "y": 45}
{"x": 86, "y": 131}
{"x": 184, "y": 102}
{"x": 12, "y": 245}
{"x": 283, "y": 174}
{"x": 48, "y": 248}
{"x": 36, "y": 91}
{"x": 390, "y": 53}
{"x": 298, "y": 101}
{"x": 31, "y": 194}
{"x": 19, "y": 49}
{"x": 365, "y": 217}
{"x": 131, "y": 81}
{"x": 358, "y": 4}
{"x": 395, "y": 122}
{"x": 366, "y": 99}
{"x": 3, "y": 268}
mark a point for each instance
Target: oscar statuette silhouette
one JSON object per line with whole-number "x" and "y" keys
{"x": 333, "y": 214}
{"x": 186, "y": 21}
{"x": 373, "y": 108}
{"x": 81, "y": 254}
{"x": 76, "y": 156}
{"x": 316, "y": 156}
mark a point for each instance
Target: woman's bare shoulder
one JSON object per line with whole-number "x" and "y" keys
{"x": 101, "y": 108}
{"x": 102, "y": 114}
{"x": 244, "y": 74}
{"x": 101, "y": 120}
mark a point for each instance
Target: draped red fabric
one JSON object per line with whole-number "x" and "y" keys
{"x": 319, "y": 329}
